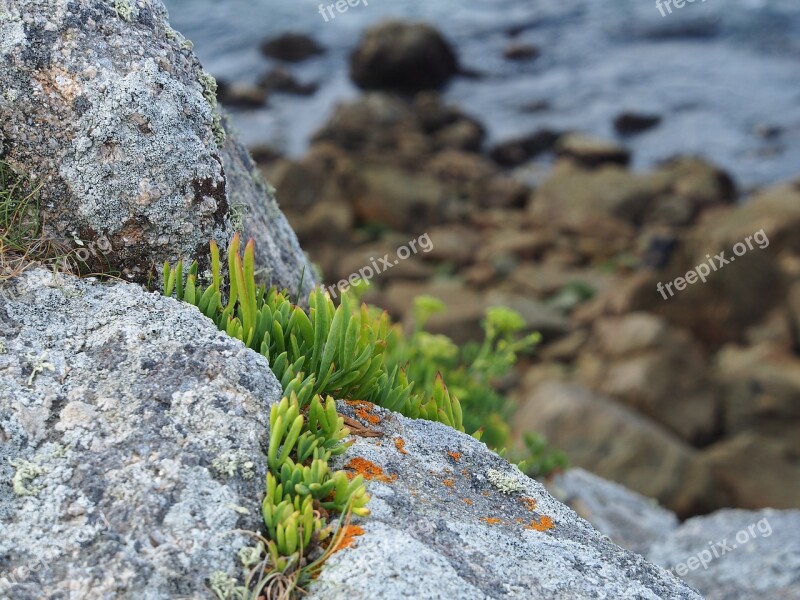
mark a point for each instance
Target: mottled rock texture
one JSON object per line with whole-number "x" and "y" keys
{"x": 106, "y": 106}
{"x": 131, "y": 437}
{"x": 451, "y": 519}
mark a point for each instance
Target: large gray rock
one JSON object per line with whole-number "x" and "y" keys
{"x": 736, "y": 554}
{"x": 132, "y": 435}
{"x": 106, "y": 107}
{"x": 629, "y": 519}
{"x": 451, "y": 519}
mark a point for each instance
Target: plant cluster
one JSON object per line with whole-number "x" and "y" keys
{"x": 471, "y": 373}
{"x": 348, "y": 352}
{"x": 328, "y": 352}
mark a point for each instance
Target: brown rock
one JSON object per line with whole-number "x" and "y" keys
{"x": 281, "y": 80}
{"x": 591, "y": 152}
{"x": 518, "y": 151}
{"x": 402, "y": 56}
{"x": 755, "y": 471}
{"x": 241, "y": 95}
{"x": 761, "y": 390}
{"x": 292, "y": 47}
{"x": 453, "y": 244}
{"x": 615, "y": 443}
{"x": 520, "y": 52}
{"x": 657, "y": 370}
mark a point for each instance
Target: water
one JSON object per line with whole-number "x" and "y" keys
{"x": 718, "y": 71}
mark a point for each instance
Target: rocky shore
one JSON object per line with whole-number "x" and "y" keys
{"x": 690, "y": 397}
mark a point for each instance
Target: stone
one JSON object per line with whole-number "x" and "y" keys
{"x": 280, "y": 80}
{"x": 629, "y": 519}
{"x": 133, "y": 432}
{"x": 630, "y": 123}
{"x": 520, "y": 51}
{"x": 518, "y": 151}
{"x": 761, "y": 390}
{"x": 292, "y": 47}
{"x": 452, "y": 519}
{"x": 736, "y": 554}
{"x": 754, "y": 470}
{"x": 114, "y": 117}
{"x": 591, "y": 152}
{"x": 615, "y": 443}
{"x": 241, "y": 95}
{"x": 574, "y": 197}
{"x": 657, "y": 370}
{"x": 404, "y": 57}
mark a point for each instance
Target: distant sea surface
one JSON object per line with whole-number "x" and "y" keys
{"x": 723, "y": 74}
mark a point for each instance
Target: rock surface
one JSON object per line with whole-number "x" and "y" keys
{"x": 450, "y": 519}
{"x": 736, "y": 554}
{"x": 107, "y": 108}
{"x": 132, "y": 435}
{"x": 406, "y": 57}
{"x": 629, "y": 519}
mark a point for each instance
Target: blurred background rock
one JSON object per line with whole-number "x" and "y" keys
{"x": 563, "y": 157}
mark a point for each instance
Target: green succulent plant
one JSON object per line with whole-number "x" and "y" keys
{"x": 328, "y": 352}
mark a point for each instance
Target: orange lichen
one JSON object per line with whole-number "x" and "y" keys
{"x": 467, "y": 501}
{"x": 542, "y": 524}
{"x": 368, "y": 470}
{"x": 347, "y": 537}
{"x": 456, "y": 456}
{"x": 485, "y": 493}
{"x": 363, "y": 410}
{"x": 529, "y": 503}
{"x": 465, "y": 472}
{"x": 450, "y": 483}
{"x": 400, "y": 444}
{"x": 492, "y": 520}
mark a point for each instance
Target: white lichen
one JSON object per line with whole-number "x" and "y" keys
{"x": 222, "y": 585}
{"x": 26, "y": 472}
{"x": 229, "y": 463}
{"x": 506, "y": 483}
{"x": 38, "y": 365}
{"x": 124, "y": 10}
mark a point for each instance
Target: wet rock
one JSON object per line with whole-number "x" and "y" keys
{"x": 629, "y": 519}
{"x": 280, "y": 80}
{"x": 629, "y": 123}
{"x": 518, "y": 151}
{"x": 452, "y": 519}
{"x": 241, "y": 95}
{"x": 617, "y": 444}
{"x": 591, "y": 152}
{"x": 292, "y": 47}
{"x": 404, "y": 57}
{"x": 133, "y": 432}
{"x": 736, "y": 554}
{"x": 520, "y": 51}
{"x": 136, "y": 165}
